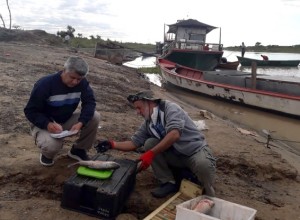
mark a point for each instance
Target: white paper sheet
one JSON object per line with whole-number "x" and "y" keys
{"x": 63, "y": 134}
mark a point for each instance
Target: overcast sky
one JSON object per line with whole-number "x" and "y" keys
{"x": 271, "y": 22}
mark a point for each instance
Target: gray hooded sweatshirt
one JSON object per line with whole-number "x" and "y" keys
{"x": 172, "y": 116}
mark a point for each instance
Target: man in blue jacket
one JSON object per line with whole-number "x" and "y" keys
{"x": 170, "y": 138}
{"x": 51, "y": 110}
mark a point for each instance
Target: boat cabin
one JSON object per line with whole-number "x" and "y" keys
{"x": 185, "y": 44}
{"x": 189, "y": 34}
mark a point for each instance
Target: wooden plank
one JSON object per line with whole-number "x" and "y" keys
{"x": 167, "y": 211}
{"x": 155, "y": 212}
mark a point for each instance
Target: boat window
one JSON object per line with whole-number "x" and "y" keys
{"x": 199, "y": 37}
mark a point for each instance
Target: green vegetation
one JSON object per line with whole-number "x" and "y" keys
{"x": 70, "y": 31}
{"x": 270, "y": 48}
{"x": 91, "y": 43}
{"x": 149, "y": 70}
{"x": 83, "y": 42}
{"x": 138, "y": 46}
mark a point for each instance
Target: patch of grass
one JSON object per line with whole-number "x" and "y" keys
{"x": 84, "y": 42}
{"x": 149, "y": 70}
{"x": 91, "y": 43}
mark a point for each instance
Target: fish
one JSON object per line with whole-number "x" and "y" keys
{"x": 98, "y": 164}
{"x": 203, "y": 206}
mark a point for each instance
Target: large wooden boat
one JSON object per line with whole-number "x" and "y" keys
{"x": 279, "y": 94}
{"x": 185, "y": 44}
{"x": 277, "y": 63}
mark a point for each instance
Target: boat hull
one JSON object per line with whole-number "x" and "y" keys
{"x": 288, "y": 104}
{"x": 229, "y": 65}
{"x": 196, "y": 59}
{"x": 276, "y": 63}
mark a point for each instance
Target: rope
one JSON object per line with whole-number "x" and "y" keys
{"x": 285, "y": 140}
{"x": 269, "y": 138}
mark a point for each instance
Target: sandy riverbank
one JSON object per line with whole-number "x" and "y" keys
{"x": 248, "y": 173}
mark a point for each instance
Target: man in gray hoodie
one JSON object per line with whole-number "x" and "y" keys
{"x": 169, "y": 138}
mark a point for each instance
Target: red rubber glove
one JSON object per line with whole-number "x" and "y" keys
{"x": 146, "y": 159}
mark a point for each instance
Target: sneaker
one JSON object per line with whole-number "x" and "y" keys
{"x": 78, "y": 154}
{"x": 164, "y": 190}
{"x": 46, "y": 161}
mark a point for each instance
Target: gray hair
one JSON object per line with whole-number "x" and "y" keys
{"x": 77, "y": 64}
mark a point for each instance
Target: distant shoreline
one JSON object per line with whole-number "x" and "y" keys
{"x": 269, "y": 48}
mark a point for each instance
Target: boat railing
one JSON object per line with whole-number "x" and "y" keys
{"x": 190, "y": 45}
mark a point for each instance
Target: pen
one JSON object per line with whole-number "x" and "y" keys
{"x": 53, "y": 121}
{"x": 57, "y": 125}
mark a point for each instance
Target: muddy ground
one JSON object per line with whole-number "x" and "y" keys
{"x": 248, "y": 173}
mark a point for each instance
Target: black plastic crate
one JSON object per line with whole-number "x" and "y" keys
{"x": 100, "y": 198}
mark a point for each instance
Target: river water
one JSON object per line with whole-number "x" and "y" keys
{"x": 231, "y": 56}
{"x": 275, "y": 71}
{"x": 286, "y": 130}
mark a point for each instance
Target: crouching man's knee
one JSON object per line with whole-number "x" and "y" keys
{"x": 150, "y": 143}
{"x": 50, "y": 146}
{"x": 96, "y": 119}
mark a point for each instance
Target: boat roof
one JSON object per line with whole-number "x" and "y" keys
{"x": 189, "y": 23}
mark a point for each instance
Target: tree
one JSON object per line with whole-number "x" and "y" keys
{"x": 257, "y": 44}
{"x": 2, "y": 21}
{"x": 9, "y": 16}
{"x": 61, "y": 34}
{"x": 70, "y": 31}
{"x": 79, "y": 35}
{"x": 17, "y": 27}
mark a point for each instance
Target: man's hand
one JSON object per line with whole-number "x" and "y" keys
{"x": 105, "y": 145}
{"x": 54, "y": 127}
{"x": 146, "y": 159}
{"x": 77, "y": 126}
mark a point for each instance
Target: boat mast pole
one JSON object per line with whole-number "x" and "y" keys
{"x": 253, "y": 74}
{"x": 164, "y": 32}
{"x": 220, "y": 48}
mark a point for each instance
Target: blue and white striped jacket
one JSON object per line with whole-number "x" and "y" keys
{"x": 52, "y": 100}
